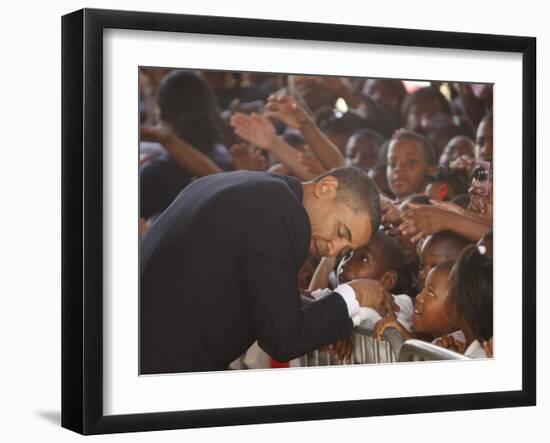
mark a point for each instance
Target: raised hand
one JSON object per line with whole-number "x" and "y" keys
{"x": 448, "y": 206}
{"x": 254, "y": 128}
{"x": 246, "y": 158}
{"x": 423, "y": 220}
{"x": 288, "y": 110}
{"x": 464, "y": 163}
{"x": 391, "y": 215}
{"x": 159, "y": 133}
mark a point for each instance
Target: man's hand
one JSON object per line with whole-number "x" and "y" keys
{"x": 288, "y": 110}
{"x": 341, "y": 349}
{"x": 254, "y": 128}
{"x": 371, "y": 294}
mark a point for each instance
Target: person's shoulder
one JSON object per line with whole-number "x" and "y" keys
{"x": 279, "y": 188}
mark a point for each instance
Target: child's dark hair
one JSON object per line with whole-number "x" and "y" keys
{"x": 471, "y": 290}
{"x": 188, "y": 104}
{"x": 371, "y": 134}
{"x": 336, "y": 122}
{"x": 425, "y": 144}
{"x": 424, "y": 96}
{"x": 455, "y": 181}
{"x": 393, "y": 258}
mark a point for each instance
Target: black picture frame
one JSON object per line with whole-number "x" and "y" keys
{"x": 82, "y": 218}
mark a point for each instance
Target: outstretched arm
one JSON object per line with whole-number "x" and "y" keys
{"x": 185, "y": 155}
{"x": 423, "y": 220}
{"x": 259, "y": 131}
{"x": 288, "y": 110}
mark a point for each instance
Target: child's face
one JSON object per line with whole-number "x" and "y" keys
{"x": 432, "y": 255}
{"x": 383, "y": 94}
{"x": 456, "y": 147}
{"x": 362, "y": 152}
{"x": 305, "y": 274}
{"x": 430, "y": 315}
{"x": 407, "y": 167}
{"x": 366, "y": 262}
{"x": 484, "y": 141}
{"x": 420, "y": 116}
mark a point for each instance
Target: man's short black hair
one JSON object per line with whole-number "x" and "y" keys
{"x": 357, "y": 190}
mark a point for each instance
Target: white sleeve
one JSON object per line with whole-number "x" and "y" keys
{"x": 348, "y": 294}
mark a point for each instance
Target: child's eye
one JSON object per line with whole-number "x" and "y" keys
{"x": 431, "y": 294}
{"x": 412, "y": 162}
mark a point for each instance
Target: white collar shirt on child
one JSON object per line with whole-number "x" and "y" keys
{"x": 457, "y": 335}
{"x": 475, "y": 350}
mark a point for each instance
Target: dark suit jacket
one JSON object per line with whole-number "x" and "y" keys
{"x": 219, "y": 271}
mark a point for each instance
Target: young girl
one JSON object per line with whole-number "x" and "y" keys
{"x": 411, "y": 164}
{"x": 470, "y": 300}
{"x": 430, "y": 318}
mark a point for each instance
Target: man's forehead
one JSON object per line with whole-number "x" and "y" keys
{"x": 360, "y": 227}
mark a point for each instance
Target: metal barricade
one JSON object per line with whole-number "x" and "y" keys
{"x": 418, "y": 350}
{"x": 365, "y": 348}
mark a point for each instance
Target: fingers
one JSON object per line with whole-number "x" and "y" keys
{"x": 389, "y": 303}
{"x": 240, "y": 120}
{"x": 418, "y": 237}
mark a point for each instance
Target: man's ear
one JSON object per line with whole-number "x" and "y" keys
{"x": 389, "y": 280}
{"x": 326, "y": 187}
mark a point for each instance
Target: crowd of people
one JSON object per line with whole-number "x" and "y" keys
{"x": 427, "y": 146}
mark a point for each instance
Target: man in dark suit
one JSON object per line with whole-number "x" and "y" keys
{"x": 219, "y": 268}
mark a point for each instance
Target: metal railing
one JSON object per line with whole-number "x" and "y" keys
{"x": 418, "y": 350}
{"x": 391, "y": 348}
{"x": 366, "y": 349}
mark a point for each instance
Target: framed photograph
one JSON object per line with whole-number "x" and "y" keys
{"x": 254, "y": 213}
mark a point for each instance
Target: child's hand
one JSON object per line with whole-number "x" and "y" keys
{"x": 244, "y": 158}
{"x": 488, "y": 346}
{"x": 448, "y": 206}
{"x": 310, "y": 162}
{"x": 159, "y": 133}
{"x": 464, "y": 163}
{"x": 449, "y": 342}
{"x": 391, "y": 215}
{"x": 288, "y": 110}
{"x": 423, "y": 220}
{"x": 371, "y": 294}
{"x": 390, "y": 321}
{"x": 254, "y": 128}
